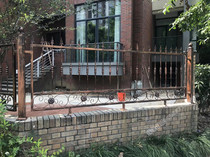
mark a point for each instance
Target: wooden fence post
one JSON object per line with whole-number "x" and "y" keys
{"x": 21, "y": 77}
{"x": 190, "y": 80}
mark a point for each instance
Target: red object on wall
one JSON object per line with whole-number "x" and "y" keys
{"x": 121, "y": 97}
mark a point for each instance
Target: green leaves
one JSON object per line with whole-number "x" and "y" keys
{"x": 197, "y": 17}
{"x": 21, "y": 13}
{"x": 12, "y": 145}
{"x": 169, "y": 6}
{"x": 182, "y": 145}
{"x": 202, "y": 85}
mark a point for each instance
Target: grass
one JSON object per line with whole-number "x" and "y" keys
{"x": 182, "y": 145}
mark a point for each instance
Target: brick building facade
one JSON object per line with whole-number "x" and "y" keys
{"x": 135, "y": 28}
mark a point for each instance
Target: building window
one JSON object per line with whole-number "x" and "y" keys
{"x": 98, "y": 23}
{"x": 164, "y": 37}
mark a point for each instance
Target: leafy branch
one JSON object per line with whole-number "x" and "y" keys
{"x": 196, "y": 17}
{"x": 15, "y": 14}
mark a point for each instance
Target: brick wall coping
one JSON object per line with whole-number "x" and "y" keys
{"x": 62, "y": 120}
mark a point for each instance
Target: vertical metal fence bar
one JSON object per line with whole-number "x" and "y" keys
{"x": 103, "y": 64}
{"x": 166, "y": 67}
{"x": 117, "y": 68}
{"x": 95, "y": 68}
{"x": 7, "y": 75}
{"x": 182, "y": 64}
{"x": 142, "y": 68}
{"x": 171, "y": 79}
{"x": 110, "y": 69}
{"x": 79, "y": 67}
{"x": 70, "y": 69}
{"x": 42, "y": 65}
{"x": 160, "y": 70}
{"x": 155, "y": 68}
{"x": 148, "y": 72}
{"x": 61, "y": 72}
{"x": 176, "y": 69}
{"x": 193, "y": 75}
{"x": 87, "y": 69}
{"x": 153, "y": 65}
{"x": 52, "y": 70}
{"x": 137, "y": 64}
{"x": 123, "y": 58}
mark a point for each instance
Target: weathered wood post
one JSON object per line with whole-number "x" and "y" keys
{"x": 190, "y": 79}
{"x": 21, "y": 76}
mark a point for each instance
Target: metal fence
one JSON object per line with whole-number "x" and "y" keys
{"x": 127, "y": 76}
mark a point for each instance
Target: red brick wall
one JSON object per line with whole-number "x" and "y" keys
{"x": 147, "y": 32}
{"x": 142, "y": 36}
{"x": 142, "y": 24}
{"x": 126, "y": 39}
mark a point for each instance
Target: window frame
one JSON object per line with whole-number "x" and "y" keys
{"x": 97, "y": 23}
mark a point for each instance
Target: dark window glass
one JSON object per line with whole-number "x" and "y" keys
{"x": 91, "y": 31}
{"x": 104, "y": 28}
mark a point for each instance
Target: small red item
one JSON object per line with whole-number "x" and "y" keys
{"x": 121, "y": 97}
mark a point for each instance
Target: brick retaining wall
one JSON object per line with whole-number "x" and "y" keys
{"x": 79, "y": 130}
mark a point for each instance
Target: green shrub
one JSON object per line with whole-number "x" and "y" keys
{"x": 12, "y": 145}
{"x": 202, "y": 85}
{"x": 181, "y": 145}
